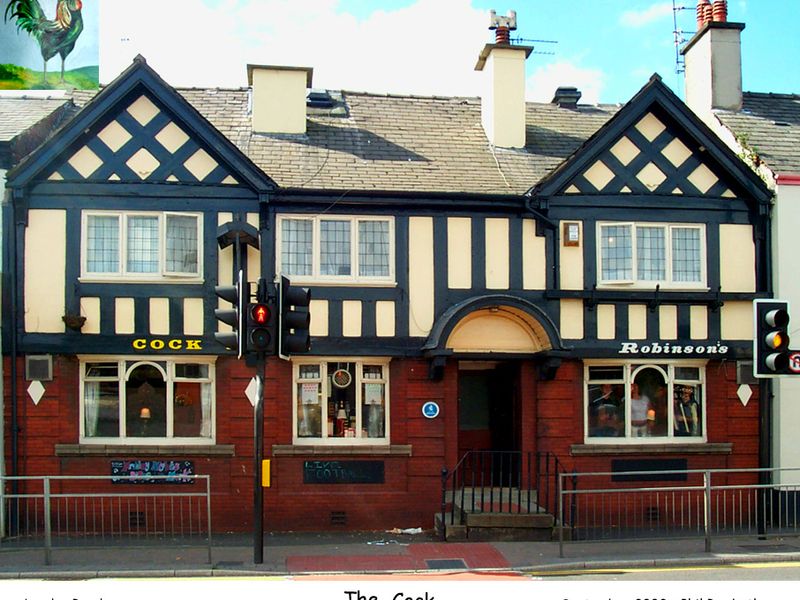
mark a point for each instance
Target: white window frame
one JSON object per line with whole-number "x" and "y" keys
{"x": 170, "y": 377}
{"x": 122, "y": 274}
{"x": 667, "y": 283}
{"x": 629, "y": 371}
{"x": 358, "y": 379}
{"x": 354, "y": 277}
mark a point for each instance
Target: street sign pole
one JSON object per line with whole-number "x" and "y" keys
{"x": 258, "y": 491}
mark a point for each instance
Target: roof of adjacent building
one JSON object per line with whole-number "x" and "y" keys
{"x": 380, "y": 142}
{"x": 769, "y": 126}
{"x": 20, "y": 113}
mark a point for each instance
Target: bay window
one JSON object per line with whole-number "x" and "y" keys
{"x": 341, "y": 402}
{"x": 336, "y": 248}
{"x": 644, "y": 402}
{"x": 141, "y": 245}
{"x": 645, "y": 254}
{"x": 144, "y": 401}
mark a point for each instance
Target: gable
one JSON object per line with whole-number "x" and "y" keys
{"x": 652, "y": 157}
{"x": 139, "y": 129}
{"x": 656, "y": 146}
{"x": 141, "y": 140}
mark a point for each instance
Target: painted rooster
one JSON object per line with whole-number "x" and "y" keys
{"x": 55, "y": 36}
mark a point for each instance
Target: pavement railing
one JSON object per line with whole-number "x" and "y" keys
{"x": 90, "y": 510}
{"x": 605, "y": 506}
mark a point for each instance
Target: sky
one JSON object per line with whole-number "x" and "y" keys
{"x": 606, "y": 48}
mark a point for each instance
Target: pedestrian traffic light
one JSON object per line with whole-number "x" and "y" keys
{"x": 295, "y": 319}
{"x": 261, "y": 328}
{"x": 771, "y": 343}
{"x": 237, "y": 295}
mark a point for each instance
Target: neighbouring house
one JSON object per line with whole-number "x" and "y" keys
{"x": 764, "y": 129}
{"x": 554, "y": 278}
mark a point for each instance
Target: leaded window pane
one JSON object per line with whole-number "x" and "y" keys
{"x": 373, "y": 248}
{"x": 686, "y": 254}
{"x": 102, "y": 244}
{"x": 335, "y": 247}
{"x": 616, "y": 252}
{"x": 650, "y": 253}
{"x": 181, "y": 244}
{"x": 297, "y": 244}
{"x": 142, "y": 245}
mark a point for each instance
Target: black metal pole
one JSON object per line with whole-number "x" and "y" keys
{"x": 258, "y": 491}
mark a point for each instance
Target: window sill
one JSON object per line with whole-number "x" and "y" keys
{"x": 164, "y": 450}
{"x": 698, "y": 448}
{"x": 288, "y": 450}
{"x": 192, "y": 280}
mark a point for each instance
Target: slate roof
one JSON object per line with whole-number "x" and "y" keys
{"x": 19, "y": 113}
{"x": 399, "y": 143}
{"x": 769, "y": 124}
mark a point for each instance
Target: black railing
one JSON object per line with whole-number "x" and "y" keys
{"x": 490, "y": 481}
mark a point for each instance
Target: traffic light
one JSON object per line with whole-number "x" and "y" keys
{"x": 295, "y": 319}
{"x": 237, "y": 295}
{"x": 261, "y": 328}
{"x": 771, "y": 343}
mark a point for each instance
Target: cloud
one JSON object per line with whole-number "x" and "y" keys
{"x": 542, "y": 83}
{"x": 640, "y": 18}
{"x": 429, "y": 47}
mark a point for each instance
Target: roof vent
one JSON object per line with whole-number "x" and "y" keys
{"x": 567, "y": 97}
{"x": 319, "y": 99}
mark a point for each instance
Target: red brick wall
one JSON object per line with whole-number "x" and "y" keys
{"x": 410, "y": 495}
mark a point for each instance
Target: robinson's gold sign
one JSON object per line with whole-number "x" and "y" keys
{"x": 159, "y": 344}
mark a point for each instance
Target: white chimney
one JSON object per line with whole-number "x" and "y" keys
{"x": 279, "y": 98}
{"x": 713, "y": 61}
{"x": 503, "y": 100}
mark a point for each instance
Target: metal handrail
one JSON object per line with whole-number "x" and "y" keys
{"x": 48, "y": 497}
{"x": 725, "y": 506}
{"x": 481, "y": 471}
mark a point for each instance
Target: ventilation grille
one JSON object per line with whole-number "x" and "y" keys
{"x": 39, "y": 368}
{"x": 338, "y": 517}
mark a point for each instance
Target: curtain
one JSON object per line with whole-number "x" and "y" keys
{"x": 91, "y": 407}
{"x": 181, "y": 244}
{"x": 334, "y": 248}
{"x": 205, "y": 405}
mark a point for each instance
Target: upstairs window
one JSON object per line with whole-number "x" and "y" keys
{"x": 141, "y": 245}
{"x": 336, "y": 248}
{"x": 649, "y": 254}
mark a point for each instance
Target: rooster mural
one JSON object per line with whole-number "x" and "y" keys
{"x": 54, "y": 36}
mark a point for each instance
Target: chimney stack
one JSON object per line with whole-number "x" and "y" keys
{"x": 713, "y": 60}
{"x": 278, "y": 100}
{"x": 503, "y": 100}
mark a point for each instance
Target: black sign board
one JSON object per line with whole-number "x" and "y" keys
{"x": 655, "y": 465}
{"x": 343, "y": 471}
{"x": 143, "y": 471}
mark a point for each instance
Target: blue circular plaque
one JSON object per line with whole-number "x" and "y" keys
{"x": 430, "y": 410}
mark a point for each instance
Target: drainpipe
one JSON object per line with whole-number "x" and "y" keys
{"x": 17, "y": 233}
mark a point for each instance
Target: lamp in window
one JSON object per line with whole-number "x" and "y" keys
{"x": 144, "y": 413}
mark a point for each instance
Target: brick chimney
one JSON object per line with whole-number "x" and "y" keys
{"x": 503, "y": 100}
{"x": 713, "y": 60}
{"x": 278, "y": 100}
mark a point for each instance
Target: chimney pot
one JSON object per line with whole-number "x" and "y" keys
{"x": 701, "y": 13}
{"x": 720, "y": 11}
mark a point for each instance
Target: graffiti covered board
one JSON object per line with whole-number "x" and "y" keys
{"x": 49, "y": 44}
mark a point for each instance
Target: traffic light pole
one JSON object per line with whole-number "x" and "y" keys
{"x": 258, "y": 440}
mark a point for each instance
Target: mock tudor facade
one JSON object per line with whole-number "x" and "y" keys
{"x": 526, "y": 289}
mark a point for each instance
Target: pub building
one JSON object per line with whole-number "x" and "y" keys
{"x": 538, "y": 277}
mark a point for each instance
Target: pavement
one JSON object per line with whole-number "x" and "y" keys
{"x": 303, "y": 553}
